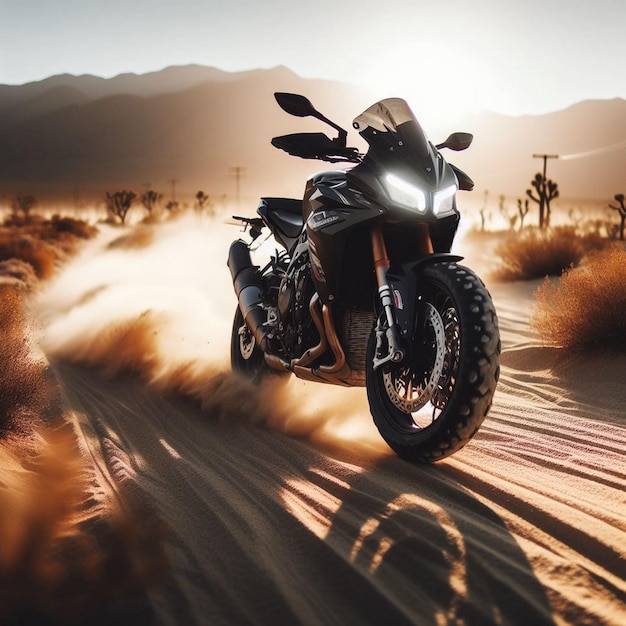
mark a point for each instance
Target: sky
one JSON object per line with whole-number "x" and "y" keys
{"x": 512, "y": 57}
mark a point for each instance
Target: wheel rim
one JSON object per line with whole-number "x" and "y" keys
{"x": 422, "y": 388}
{"x": 246, "y": 342}
{"x": 452, "y": 359}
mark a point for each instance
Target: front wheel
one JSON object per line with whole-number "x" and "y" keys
{"x": 432, "y": 403}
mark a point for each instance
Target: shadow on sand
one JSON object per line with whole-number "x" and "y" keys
{"x": 433, "y": 551}
{"x": 267, "y": 529}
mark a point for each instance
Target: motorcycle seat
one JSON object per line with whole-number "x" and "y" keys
{"x": 285, "y": 215}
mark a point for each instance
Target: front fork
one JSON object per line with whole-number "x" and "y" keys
{"x": 388, "y": 336}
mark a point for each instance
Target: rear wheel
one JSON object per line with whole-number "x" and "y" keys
{"x": 432, "y": 403}
{"x": 246, "y": 358}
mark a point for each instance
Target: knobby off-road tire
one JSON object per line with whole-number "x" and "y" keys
{"x": 452, "y": 369}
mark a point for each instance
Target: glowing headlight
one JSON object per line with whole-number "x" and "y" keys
{"x": 443, "y": 201}
{"x": 404, "y": 193}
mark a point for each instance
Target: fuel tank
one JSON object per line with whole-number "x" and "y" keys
{"x": 336, "y": 215}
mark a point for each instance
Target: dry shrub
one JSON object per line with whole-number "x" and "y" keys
{"x": 49, "y": 230}
{"x": 536, "y": 253}
{"x": 68, "y": 552}
{"x": 65, "y": 558}
{"x": 65, "y": 233}
{"x": 27, "y": 394}
{"x": 586, "y": 309}
{"x": 18, "y": 273}
{"x": 41, "y": 242}
{"x": 77, "y": 228}
{"x": 594, "y": 242}
{"x": 41, "y": 255}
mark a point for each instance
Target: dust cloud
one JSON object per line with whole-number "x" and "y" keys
{"x": 158, "y": 303}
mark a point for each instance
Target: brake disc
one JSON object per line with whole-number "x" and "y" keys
{"x": 246, "y": 342}
{"x": 399, "y": 381}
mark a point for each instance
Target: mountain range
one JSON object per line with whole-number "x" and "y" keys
{"x": 188, "y": 128}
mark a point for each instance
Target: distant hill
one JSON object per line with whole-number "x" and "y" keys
{"x": 168, "y": 80}
{"x": 69, "y": 135}
{"x": 584, "y": 136}
{"x": 195, "y": 135}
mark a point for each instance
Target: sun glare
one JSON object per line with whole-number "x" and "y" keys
{"x": 438, "y": 81}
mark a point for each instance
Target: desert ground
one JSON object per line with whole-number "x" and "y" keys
{"x": 169, "y": 492}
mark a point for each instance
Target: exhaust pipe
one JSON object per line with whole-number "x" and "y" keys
{"x": 249, "y": 289}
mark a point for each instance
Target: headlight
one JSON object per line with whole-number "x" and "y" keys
{"x": 443, "y": 201}
{"x": 404, "y": 193}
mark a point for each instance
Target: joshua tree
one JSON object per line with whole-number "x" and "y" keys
{"x": 621, "y": 209}
{"x": 23, "y": 203}
{"x": 119, "y": 202}
{"x": 173, "y": 207}
{"x": 553, "y": 192}
{"x": 574, "y": 216}
{"x": 149, "y": 199}
{"x": 522, "y": 209}
{"x": 201, "y": 200}
{"x": 482, "y": 219}
{"x": 511, "y": 218}
{"x": 547, "y": 190}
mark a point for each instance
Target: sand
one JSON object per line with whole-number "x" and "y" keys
{"x": 285, "y": 506}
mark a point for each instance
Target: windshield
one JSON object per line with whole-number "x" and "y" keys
{"x": 385, "y": 115}
{"x": 394, "y": 118}
{"x": 399, "y": 145}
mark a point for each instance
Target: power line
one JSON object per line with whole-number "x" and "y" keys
{"x": 580, "y": 155}
{"x": 545, "y": 158}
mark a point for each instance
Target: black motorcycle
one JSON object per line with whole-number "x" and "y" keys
{"x": 364, "y": 290}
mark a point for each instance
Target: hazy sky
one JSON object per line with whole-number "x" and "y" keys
{"x": 525, "y": 56}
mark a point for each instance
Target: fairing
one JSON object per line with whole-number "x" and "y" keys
{"x": 339, "y": 205}
{"x": 399, "y": 146}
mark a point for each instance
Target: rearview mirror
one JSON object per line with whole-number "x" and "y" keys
{"x": 457, "y": 142}
{"x": 295, "y": 104}
{"x": 298, "y": 105}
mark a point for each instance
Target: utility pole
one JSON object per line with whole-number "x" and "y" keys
{"x": 173, "y": 181}
{"x": 545, "y": 158}
{"x": 237, "y": 172}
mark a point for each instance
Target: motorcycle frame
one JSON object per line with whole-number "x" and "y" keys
{"x": 389, "y": 327}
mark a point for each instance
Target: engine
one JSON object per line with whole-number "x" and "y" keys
{"x": 295, "y": 326}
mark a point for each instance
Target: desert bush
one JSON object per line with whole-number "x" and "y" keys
{"x": 594, "y": 242}
{"x": 65, "y": 233}
{"x": 41, "y": 242}
{"x": 67, "y": 557}
{"x": 17, "y": 272}
{"x": 539, "y": 253}
{"x": 77, "y": 228}
{"x": 27, "y": 395}
{"x": 40, "y": 254}
{"x": 586, "y": 309}
{"x": 52, "y": 229}
{"x": 19, "y": 220}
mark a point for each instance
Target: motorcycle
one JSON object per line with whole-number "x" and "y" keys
{"x": 364, "y": 290}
